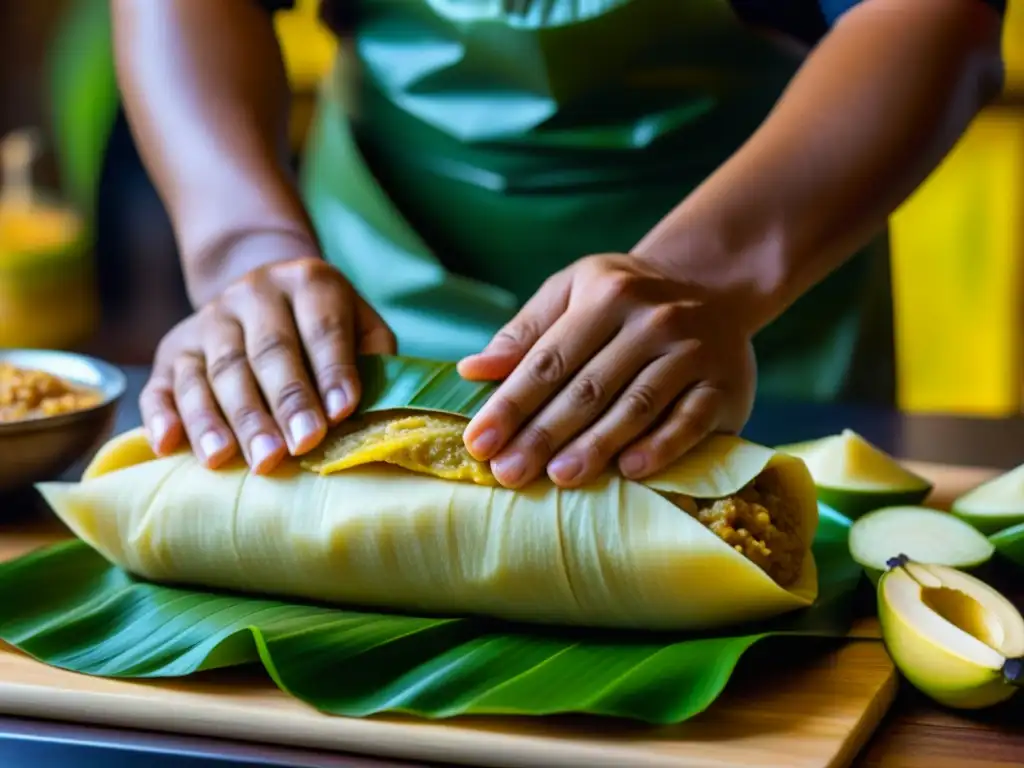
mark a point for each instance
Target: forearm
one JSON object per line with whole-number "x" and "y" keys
{"x": 206, "y": 95}
{"x": 873, "y": 110}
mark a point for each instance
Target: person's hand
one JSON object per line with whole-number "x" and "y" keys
{"x": 262, "y": 368}
{"x": 612, "y": 358}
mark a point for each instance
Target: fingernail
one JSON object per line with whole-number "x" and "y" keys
{"x": 485, "y": 443}
{"x": 262, "y": 448}
{"x": 211, "y": 444}
{"x": 336, "y": 401}
{"x": 566, "y": 468}
{"x": 302, "y": 426}
{"x": 632, "y": 465}
{"x": 159, "y": 426}
{"x": 510, "y": 468}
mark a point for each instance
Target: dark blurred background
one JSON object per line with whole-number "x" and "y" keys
{"x": 959, "y": 321}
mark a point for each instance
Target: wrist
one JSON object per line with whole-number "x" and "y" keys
{"x": 234, "y": 253}
{"x": 741, "y": 263}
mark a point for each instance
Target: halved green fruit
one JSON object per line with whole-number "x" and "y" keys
{"x": 995, "y": 504}
{"x": 923, "y": 534}
{"x": 954, "y": 637}
{"x": 854, "y": 477}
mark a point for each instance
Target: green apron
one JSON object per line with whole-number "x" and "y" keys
{"x": 486, "y": 144}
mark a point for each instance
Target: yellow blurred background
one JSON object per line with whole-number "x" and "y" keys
{"x": 957, "y": 243}
{"x": 957, "y": 253}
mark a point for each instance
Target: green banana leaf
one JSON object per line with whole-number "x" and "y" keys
{"x": 69, "y": 607}
{"x": 66, "y": 606}
{"x": 84, "y": 99}
{"x": 1009, "y": 543}
{"x": 392, "y": 382}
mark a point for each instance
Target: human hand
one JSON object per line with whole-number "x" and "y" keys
{"x": 234, "y": 375}
{"x": 613, "y": 356}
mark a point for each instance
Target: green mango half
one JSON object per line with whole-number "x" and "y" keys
{"x": 854, "y": 477}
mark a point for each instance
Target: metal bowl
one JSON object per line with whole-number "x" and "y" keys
{"x": 40, "y": 449}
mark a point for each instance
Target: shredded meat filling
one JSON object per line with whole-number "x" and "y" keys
{"x": 759, "y": 522}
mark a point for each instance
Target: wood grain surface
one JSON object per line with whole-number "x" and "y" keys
{"x": 777, "y": 712}
{"x": 816, "y": 713}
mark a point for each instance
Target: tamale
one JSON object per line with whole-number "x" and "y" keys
{"x": 393, "y": 514}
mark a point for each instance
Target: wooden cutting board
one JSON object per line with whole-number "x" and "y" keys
{"x": 812, "y": 714}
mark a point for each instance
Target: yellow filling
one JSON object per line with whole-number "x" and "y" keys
{"x": 759, "y": 521}
{"x": 428, "y": 443}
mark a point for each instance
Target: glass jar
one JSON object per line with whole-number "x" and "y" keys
{"x": 48, "y": 297}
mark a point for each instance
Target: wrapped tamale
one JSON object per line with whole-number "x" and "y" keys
{"x": 392, "y": 513}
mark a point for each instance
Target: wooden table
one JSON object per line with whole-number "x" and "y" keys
{"x": 915, "y": 732}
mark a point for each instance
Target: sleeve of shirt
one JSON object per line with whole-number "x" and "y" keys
{"x": 833, "y": 9}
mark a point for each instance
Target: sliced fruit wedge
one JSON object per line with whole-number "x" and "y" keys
{"x": 925, "y": 535}
{"x": 955, "y": 638}
{"x": 1009, "y": 543}
{"x": 854, "y": 477}
{"x": 995, "y": 504}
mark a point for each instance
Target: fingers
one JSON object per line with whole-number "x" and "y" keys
{"x": 511, "y": 344}
{"x": 573, "y": 339}
{"x": 580, "y": 402}
{"x": 273, "y": 346}
{"x": 235, "y": 388}
{"x": 695, "y": 416}
{"x": 211, "y": 440}
{"x": 263, "y": 367}
{"x": 325, "y": 319}
{"x": 634, "y": 411}
{"x": 160, "y": 418}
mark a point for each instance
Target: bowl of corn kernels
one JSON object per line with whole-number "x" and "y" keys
{"x": 56, "y": 409}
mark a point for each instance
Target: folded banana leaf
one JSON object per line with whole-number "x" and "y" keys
{"x": 74, "y": 608}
